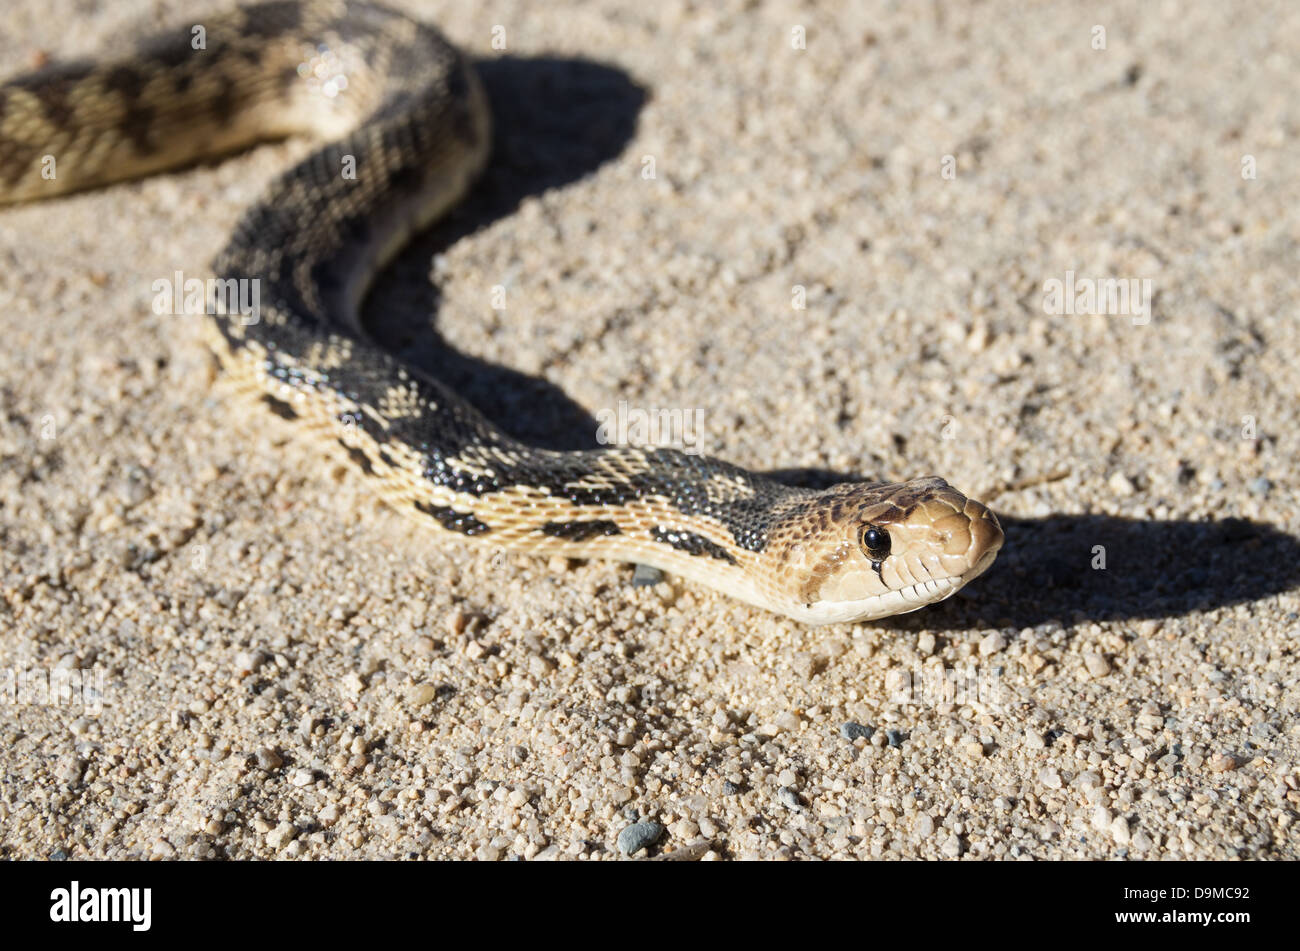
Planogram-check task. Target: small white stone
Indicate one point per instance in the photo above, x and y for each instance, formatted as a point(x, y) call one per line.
point(1121, 485)
point(787, 721)
point(422, 694)
point(249, 660)
point(1097, 664)
point(992, 643)
point(1119, 830)
point(684, 829)
point(281, 835)
point(301, 777)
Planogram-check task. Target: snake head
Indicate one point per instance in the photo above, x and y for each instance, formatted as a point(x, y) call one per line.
point(857, 552)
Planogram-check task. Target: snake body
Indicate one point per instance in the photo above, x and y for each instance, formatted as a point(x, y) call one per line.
point(395, 101)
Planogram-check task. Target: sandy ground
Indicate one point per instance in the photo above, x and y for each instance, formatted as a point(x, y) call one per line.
point(290, 669)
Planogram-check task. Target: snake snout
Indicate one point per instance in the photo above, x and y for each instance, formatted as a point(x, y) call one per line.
point(962, 535)
point(986, 537)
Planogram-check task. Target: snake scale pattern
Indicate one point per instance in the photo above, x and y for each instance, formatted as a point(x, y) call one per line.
point(395, 99)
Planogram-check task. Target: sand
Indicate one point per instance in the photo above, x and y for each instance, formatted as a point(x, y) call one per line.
point(290, 669)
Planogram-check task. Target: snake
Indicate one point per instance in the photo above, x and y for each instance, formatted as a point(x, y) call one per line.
point(403, 130)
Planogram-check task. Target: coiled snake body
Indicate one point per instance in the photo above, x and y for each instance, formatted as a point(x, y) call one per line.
point(400, 104)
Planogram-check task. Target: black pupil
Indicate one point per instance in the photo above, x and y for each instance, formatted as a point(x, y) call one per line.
point(874, 538)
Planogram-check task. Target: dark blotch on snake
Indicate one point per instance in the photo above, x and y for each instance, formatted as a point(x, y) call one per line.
point(280, 407)
point(274, 19)
point(359, 458)
point(691, 543)
point(463, 522)
point(581, 530)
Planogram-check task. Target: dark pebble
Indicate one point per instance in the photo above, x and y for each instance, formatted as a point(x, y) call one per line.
point(646, 577)
point(639, 835)
point(856, 731)
point(894, 737)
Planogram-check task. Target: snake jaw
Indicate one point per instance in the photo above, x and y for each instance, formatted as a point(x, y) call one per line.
point(939, 541)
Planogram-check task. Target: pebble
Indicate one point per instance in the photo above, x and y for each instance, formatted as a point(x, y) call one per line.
point(1221, 763)
point(787, 721)
point(302, 777)
point(685, 829)
point(855, 731)
point(1259, 486)
point(1119, 830)
point(638, 836)
point(789, 797)
point(1097, 664)
point(248, 661)
point(925, 643)
point(643, 576)
point(457, 622)
point(951, 847)
point(281, 835)
point(1121, 484)
point(268, 758)
point(992, 643)
point(894, 738)
point(422, 694)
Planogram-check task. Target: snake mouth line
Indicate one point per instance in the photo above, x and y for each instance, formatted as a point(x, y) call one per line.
point(931, 591)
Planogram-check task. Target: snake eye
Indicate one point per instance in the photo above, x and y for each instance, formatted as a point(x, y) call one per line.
point(876, 542)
